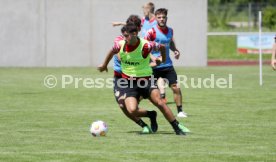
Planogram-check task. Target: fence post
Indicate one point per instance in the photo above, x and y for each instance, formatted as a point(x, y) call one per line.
point(249, 15)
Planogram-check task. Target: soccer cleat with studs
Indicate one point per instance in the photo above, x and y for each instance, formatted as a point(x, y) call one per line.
point(146, 130)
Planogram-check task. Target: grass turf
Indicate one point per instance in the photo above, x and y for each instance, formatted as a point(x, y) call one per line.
point(225, 48)
point(42, 124)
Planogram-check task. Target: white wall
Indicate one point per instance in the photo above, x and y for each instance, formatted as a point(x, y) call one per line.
point(21, 33)
point(68, 32)
point(79, 32)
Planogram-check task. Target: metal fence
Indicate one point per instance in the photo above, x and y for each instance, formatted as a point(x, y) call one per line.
point(240, 17)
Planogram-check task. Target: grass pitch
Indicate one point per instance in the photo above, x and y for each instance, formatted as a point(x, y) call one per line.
point(43, 124)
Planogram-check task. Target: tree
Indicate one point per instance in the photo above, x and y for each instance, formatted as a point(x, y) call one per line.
point(269, 17)
point(220, 11)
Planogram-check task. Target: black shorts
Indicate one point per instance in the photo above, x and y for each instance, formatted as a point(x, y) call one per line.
point(118, 92)
point(167, 73)
point(138, 88)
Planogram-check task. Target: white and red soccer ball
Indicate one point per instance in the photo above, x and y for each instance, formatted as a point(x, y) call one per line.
point(98, 128)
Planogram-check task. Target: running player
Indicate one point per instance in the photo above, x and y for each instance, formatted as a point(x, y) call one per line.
point(134, 54)
point(118, 93)
point(163, 34)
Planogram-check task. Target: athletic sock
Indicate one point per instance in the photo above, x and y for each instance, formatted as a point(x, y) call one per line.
point(150, 114)
point(153, 123)
point(163, 95)
point(175, 125)
point(141, 123)
point(179, 108)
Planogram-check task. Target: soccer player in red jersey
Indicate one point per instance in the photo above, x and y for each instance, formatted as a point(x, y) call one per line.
point(118, 91)
point(134, 53)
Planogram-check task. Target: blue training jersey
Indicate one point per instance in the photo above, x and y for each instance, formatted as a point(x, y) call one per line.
point(147, 24)
point(117, 64)
point(165, 39)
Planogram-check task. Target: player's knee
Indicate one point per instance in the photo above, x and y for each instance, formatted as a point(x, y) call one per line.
point(175, 88)
point(160, 103)
point(132, 112)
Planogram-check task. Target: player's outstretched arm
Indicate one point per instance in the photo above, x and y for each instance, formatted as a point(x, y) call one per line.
point(103, 67)
point(273, 57)
point(116, 23)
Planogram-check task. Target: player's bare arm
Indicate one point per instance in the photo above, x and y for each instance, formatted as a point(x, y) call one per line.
point(103, 67)
point(117, 23)
point(162, 50)
point(154, 61)
point(174, 49)
point(273, 57)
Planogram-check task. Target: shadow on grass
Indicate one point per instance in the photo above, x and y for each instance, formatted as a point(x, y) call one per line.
point(170, 103)
point(27, 93)
point(157, 133)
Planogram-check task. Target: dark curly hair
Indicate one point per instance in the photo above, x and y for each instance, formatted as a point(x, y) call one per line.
point(135, 19)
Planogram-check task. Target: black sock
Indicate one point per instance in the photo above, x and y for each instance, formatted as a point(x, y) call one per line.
point(179, 108)
point(141, 123)
point(175, 125)
point(150, 114)
point(163, 95)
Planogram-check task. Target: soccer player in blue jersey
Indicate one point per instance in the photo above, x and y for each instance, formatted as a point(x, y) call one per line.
point(148, 21)
point(163, 34)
